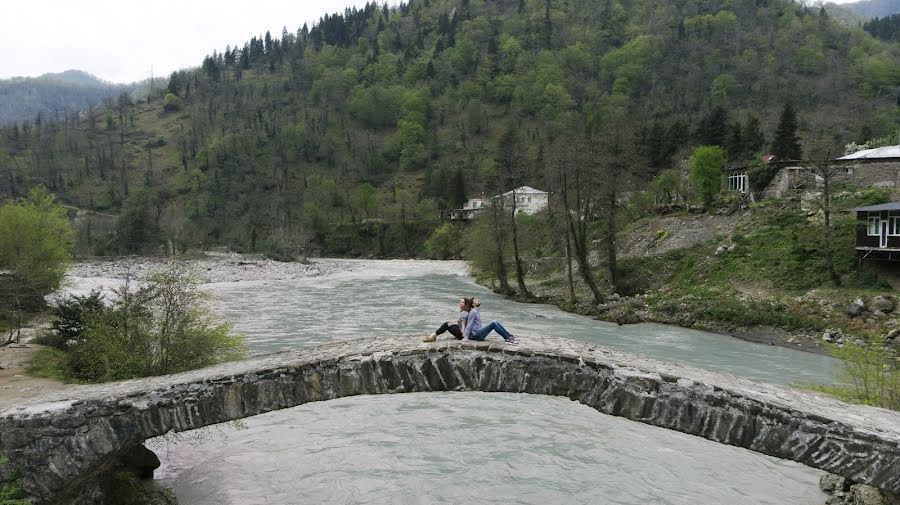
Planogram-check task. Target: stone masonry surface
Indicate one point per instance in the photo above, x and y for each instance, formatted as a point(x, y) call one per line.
point(60, 441)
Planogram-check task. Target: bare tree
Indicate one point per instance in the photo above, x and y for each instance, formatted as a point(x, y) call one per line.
point(556, 164)
point(822, 152)
point(576, 191)
point(511, 164)
point(614, 159)
point(497, 216)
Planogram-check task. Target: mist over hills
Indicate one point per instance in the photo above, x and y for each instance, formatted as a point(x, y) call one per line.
point(52, 95)
point(352, 136)
point(875, 8)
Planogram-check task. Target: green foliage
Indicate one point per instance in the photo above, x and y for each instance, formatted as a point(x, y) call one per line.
point(667, 187)
point(158, 328)
point(35, 248)
point(48, 363)
point(479, 247)
point(136, 229)
point(277, 134)
point(786, 145)
point(723, 87)
point(72, 314)
point(706, 165)
point(11, 488)
point(870, 374)
point(172, 103)
point(444, 243)
point(759, 176)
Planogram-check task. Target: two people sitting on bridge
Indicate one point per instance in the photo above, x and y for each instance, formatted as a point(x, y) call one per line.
point(468, 325)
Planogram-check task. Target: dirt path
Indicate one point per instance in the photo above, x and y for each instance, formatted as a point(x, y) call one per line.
point(15, 384)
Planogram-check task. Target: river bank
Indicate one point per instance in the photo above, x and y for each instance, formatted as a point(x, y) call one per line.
point(213, 268)
point(279, 306)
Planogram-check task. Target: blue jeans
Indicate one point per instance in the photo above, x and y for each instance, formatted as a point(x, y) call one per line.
point(492, 326)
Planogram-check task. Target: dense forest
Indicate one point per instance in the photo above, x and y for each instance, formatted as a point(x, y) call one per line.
point(355, 135)
point(886, 28)
point(50, 97)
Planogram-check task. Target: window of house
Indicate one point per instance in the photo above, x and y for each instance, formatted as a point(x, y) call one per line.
point(737, 182)
point(848, 170)
point(874, 226)
point(894, 226)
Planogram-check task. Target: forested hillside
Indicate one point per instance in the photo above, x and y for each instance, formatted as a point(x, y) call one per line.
point(51, 96)
point(351, 137)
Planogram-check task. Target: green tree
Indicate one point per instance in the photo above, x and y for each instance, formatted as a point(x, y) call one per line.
point(706, 172)
point(365, 196)
point(172, 103)
point(36, 243)
point(786, 145)
point(136, 229)
point(443, 243)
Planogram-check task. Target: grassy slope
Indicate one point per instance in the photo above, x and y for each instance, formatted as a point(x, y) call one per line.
point(772, 276)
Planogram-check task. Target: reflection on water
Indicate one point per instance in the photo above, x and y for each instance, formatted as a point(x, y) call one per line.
point(469, 448)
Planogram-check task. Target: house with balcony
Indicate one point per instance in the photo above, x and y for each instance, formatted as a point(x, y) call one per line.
point(878, 231)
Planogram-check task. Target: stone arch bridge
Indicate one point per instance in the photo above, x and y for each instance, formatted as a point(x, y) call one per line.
point(61, 441)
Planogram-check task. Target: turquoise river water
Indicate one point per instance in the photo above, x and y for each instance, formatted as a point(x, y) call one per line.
point(467, 447)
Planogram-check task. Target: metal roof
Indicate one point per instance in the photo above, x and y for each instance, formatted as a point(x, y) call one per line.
point(524, 190)
point(876, 208)
point(868, 154)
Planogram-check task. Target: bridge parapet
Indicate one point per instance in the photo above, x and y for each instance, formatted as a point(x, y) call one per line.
point(61, 440)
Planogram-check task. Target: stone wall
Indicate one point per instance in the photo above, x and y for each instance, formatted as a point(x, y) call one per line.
point(61, 441)
point(884, 174)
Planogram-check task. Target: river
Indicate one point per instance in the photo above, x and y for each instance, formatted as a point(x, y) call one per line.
point(465, 447)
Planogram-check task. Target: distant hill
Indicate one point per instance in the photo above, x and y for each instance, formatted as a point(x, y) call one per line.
point(845, 16)
point(354, 136)
point(52, 95)
point(77, 77)
point(875, 8)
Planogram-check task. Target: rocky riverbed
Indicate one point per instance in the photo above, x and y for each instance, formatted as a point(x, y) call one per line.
point(209, 268)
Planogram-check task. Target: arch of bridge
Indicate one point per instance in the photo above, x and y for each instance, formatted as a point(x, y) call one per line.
point(60, 440)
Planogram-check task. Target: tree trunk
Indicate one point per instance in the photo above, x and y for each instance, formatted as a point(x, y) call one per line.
point(826, 208)
point(584, 268)
point(500, 268)
point(569, 277)
point(611, 231)
point(520, 272)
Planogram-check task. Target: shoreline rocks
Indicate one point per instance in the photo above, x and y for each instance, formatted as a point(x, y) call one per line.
point(212, 268)
point(842, 491)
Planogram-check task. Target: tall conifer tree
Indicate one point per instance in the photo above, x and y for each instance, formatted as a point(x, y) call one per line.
point(786, 145)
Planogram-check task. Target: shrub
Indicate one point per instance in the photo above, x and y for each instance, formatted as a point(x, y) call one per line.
point(443, 243)
point(172, 103)
point(161, 327)
point(72, 314)
point(870, 375)
point(706, 171)
point(35, 247)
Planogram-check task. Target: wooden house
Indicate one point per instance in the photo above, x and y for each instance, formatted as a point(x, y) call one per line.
point(878, 231)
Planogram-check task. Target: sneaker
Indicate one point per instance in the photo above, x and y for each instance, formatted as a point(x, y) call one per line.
point(429, 338)
point(514, 340)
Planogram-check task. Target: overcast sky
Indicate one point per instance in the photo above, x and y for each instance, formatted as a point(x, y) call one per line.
point(119, 40)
